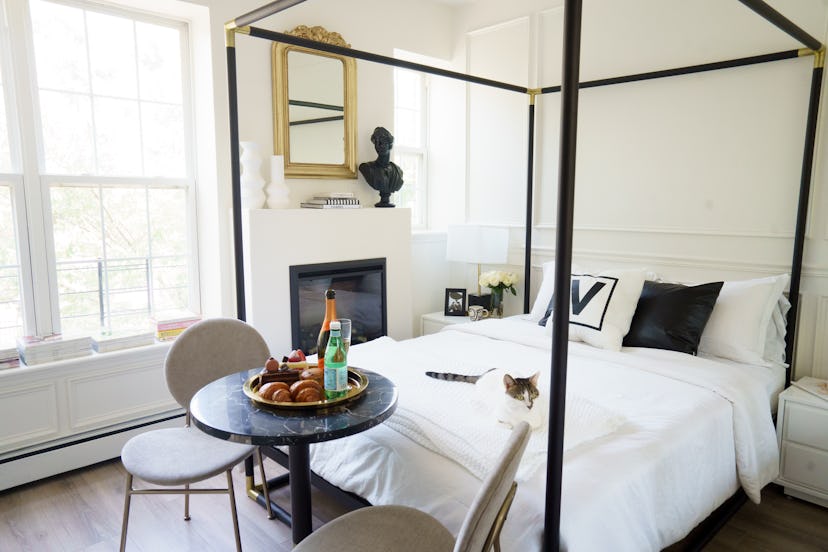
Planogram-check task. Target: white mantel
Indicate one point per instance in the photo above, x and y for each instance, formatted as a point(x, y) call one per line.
point(275, 239)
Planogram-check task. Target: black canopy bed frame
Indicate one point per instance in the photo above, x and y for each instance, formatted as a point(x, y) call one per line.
point(569, 89)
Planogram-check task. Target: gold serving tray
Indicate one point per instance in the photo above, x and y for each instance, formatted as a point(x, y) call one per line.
point(357, 383)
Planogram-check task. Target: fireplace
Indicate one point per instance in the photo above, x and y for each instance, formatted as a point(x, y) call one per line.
point(360, 295)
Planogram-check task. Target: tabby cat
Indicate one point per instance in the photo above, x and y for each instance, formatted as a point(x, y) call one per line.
point(514, 399)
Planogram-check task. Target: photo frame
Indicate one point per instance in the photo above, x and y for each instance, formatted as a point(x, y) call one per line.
point(455, 302)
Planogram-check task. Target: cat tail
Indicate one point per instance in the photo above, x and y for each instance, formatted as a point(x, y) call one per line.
point(448, 376)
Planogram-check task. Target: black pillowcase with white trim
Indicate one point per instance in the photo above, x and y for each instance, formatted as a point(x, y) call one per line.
point(672, 316)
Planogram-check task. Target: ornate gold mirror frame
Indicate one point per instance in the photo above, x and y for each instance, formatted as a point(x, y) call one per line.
point(281, 108)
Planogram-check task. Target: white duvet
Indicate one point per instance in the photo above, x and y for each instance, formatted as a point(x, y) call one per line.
point(692, 430)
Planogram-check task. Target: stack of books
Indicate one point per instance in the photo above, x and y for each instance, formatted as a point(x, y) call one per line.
point(168, 326)
point(36, 349)
point(9, 358)
point(333, 200)
point(122, 339)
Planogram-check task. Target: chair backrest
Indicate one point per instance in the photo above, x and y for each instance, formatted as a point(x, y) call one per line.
point(208, 350)
point(490, 497)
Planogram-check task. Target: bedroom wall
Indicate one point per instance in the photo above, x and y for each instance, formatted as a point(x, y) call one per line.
point(695, 176)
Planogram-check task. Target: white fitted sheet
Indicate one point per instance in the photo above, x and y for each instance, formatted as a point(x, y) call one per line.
point(643, 487)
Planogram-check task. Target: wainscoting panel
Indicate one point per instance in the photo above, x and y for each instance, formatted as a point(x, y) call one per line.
point(20, 423)
point(104, 399)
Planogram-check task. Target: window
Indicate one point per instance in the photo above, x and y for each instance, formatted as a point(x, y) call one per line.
point(410, 141)
point(111, 123)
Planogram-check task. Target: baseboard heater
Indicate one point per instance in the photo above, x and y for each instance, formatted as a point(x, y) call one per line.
point(55, 457)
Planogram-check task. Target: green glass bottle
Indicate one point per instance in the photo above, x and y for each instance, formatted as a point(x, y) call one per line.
point(336, 365)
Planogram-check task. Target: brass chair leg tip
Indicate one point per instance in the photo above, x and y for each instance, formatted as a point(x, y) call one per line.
point(187, 518)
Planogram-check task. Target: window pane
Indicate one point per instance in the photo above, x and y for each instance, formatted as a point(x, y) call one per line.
point(407, 127)
point(408, 87)
point(159, 72)
point(168, 222)
point(67, 133)
point(11, 314)
point(60, 47)
point(125, 223)
point(121, 254)
point(163, 140)
point(118, 137)
point(112, 55)
point(5, 148)
point(412, 195)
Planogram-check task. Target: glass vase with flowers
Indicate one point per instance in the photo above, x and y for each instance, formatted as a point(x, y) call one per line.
point(498, 281)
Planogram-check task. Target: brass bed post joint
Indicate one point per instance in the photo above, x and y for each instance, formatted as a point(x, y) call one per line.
point(532, 93)
point(819, 55)
point(230, 30)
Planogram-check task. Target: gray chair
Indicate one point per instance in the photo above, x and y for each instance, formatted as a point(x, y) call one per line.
point(404, 529)
point(206, 351)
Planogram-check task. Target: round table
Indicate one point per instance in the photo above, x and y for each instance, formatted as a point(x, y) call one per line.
point(221, 409)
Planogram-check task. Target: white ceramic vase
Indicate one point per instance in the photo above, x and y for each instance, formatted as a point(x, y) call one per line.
point(278, 194)
point(252, 183)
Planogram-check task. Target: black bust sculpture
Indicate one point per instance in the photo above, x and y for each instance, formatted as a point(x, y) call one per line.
point(382, 175)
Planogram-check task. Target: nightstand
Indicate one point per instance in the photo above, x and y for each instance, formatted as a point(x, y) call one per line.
point(802, 433)
point(433, 321)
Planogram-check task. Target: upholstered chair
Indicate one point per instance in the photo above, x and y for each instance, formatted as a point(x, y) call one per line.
point(177, 457)
point(405, 529)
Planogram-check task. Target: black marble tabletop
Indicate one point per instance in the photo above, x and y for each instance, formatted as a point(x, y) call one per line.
point(222, 410)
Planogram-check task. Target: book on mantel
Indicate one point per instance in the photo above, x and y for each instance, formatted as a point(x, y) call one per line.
point(333, 200)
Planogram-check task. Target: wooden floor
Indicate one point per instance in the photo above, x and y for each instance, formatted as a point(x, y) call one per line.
point(82, 511)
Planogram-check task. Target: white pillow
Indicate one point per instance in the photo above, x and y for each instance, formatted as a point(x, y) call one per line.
point(602, 307)
point(738, 326)
point(547, 289)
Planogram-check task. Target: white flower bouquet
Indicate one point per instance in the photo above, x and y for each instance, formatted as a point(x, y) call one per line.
point(499, 280)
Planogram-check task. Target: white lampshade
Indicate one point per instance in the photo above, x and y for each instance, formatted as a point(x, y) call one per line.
point(477, 244)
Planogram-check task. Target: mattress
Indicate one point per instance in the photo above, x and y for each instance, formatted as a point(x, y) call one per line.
point(693, 430)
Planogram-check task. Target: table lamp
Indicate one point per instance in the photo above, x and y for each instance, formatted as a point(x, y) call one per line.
point(478, 245)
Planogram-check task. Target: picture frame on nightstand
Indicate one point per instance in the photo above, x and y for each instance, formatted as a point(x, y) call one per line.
point(455, 302)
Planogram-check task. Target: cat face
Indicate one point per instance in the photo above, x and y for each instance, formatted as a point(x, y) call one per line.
point(524, 390)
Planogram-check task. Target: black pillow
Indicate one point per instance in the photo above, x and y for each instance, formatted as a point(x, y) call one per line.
point(672, 316)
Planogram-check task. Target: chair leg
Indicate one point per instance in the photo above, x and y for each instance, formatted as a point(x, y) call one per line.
point(127, 498)
point(186, 502)
point(233, 509)
point(270, 514)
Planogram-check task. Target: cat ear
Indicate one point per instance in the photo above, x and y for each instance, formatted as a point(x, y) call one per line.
point(534, 379)
point(508, 381)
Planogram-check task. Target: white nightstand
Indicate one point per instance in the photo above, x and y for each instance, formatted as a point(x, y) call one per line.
point(802, 433)
point(433, 321)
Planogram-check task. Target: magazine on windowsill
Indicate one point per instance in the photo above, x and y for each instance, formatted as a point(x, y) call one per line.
point(814, 386)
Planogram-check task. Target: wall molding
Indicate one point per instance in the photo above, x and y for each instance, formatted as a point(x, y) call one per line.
point(716, 233)
point(819, 366)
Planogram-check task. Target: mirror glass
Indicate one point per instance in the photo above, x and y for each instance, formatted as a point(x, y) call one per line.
point(314, 108)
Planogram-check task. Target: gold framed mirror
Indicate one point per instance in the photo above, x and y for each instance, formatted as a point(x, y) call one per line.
point(314, 108)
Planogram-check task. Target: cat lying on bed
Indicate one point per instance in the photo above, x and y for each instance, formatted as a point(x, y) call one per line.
point(515, 399)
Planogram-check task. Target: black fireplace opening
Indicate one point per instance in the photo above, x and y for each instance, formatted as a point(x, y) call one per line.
point(360, 296)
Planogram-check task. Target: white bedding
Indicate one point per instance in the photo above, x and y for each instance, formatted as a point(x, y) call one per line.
point(687, 423)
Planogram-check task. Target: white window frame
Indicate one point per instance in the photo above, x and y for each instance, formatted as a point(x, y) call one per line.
point(421, 195)
point(32, 189)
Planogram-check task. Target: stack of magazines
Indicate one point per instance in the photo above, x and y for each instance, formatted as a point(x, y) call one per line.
point(126, 339)
point(333, 200)
point(169, 325)
point(35, 349)
point(9, 358)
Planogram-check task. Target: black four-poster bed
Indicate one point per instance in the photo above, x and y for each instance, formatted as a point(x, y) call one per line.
point(569, 90)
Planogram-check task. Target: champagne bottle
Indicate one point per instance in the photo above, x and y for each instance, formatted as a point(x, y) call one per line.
point(336, 365)
point(325, 330)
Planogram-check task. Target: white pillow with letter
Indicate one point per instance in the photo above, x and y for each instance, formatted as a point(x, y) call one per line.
point(602, 307)
point(738, 326)
point(547, 289)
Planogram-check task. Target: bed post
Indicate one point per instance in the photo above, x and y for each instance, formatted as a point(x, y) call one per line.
point(230, 31)
point(530, 171)
point(802, 207)
point(563, 267)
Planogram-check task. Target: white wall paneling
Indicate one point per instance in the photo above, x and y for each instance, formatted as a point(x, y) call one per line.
point(39, 404)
